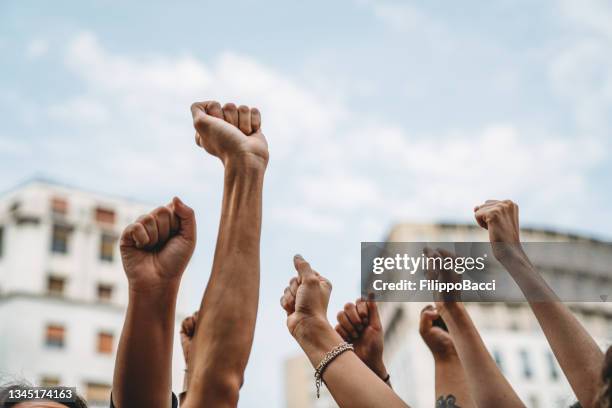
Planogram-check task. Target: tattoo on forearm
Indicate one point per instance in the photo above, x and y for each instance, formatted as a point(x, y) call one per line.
point(447, 402)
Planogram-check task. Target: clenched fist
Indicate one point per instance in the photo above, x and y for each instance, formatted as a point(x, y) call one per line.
point(359, 323)
point(187, 332)
point(305, 299)
point(156, 249)
point(501, 219)
point(436, 337)
point(230, 133)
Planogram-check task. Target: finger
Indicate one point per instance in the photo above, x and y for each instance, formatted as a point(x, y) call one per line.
point(293, 285)
point(344, 321)
point(373, 314)
point(480, 215)
point(428, 315)
point(340, 330)
point(186, 217)
point(362, 310)
point(230, 113)
point(162, 216)
point(149, 224)
point(213, 108)
point(244, 119)
point(134, 235)
point(303, 268)
point(175, 222)
point(255, 119)
point(202, 117)
point(289, 296)
point(289, 308)
point(351, 312)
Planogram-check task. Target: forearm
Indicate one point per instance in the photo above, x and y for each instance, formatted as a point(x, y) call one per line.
point(578, 354)
point(451, 381)
point(224, 333)
point(487, 385)
point(143, 367)
point(349, 380)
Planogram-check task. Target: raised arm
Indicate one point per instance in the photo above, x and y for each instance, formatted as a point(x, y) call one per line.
point(226, 322)
point(577, 353)
point(451, 389)
point(350, 381)
point(155, 251)
point(359, 323)
point(487, 385)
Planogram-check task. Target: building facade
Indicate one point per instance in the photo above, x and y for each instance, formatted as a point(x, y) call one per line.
point(509, 330)
point(63, 292)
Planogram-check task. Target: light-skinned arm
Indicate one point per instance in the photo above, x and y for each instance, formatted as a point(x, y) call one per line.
point(577, 353)
point(451, 386)
point(487, 385)
point(359, 323)
point(351, 383)
point(155, 251)
point(224, 332)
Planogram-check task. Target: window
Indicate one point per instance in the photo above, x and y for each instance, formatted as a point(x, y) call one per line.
point(526, 364)
point(59, 241)
point(105, 215)
point(107, 247)
point(54, 336)
point(59, 206)
point(98, 394)
point(552, 366)
point(55, 285)
point(49, 381)
point(105, 342)
point(1, 241)
point(105, 292)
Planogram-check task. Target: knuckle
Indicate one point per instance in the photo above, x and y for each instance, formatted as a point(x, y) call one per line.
point(229, 106)
point(243, 109)
point(214, 105)
point(340, 316)
point(348, 307)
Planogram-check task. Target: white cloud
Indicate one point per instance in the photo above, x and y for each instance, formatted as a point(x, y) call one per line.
point(36, 48)
point(332, 164)
point(79, 110)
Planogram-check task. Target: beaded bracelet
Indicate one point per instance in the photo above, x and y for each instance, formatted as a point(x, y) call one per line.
point(335, 352)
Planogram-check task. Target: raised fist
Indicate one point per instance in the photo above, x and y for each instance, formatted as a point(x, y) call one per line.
point(501, 219)
point(434, 335)
point(230, 132)
point(156, 249)
point(305, 299)
point(187, 332)
point(359, 323)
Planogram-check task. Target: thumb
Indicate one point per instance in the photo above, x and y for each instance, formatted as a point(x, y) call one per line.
point(201, 119)
point(303, 268)
point(187, 219)
point(373, 315)
point(428, 315)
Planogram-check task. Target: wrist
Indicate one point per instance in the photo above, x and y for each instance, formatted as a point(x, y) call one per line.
point(447, 357)
point(509, 253)
point(316, 337)
point(380, 370)
point(158, 289)
point(310, 328)
point(245, 162)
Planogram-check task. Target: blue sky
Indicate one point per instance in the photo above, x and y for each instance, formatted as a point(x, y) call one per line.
point(376, 112)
